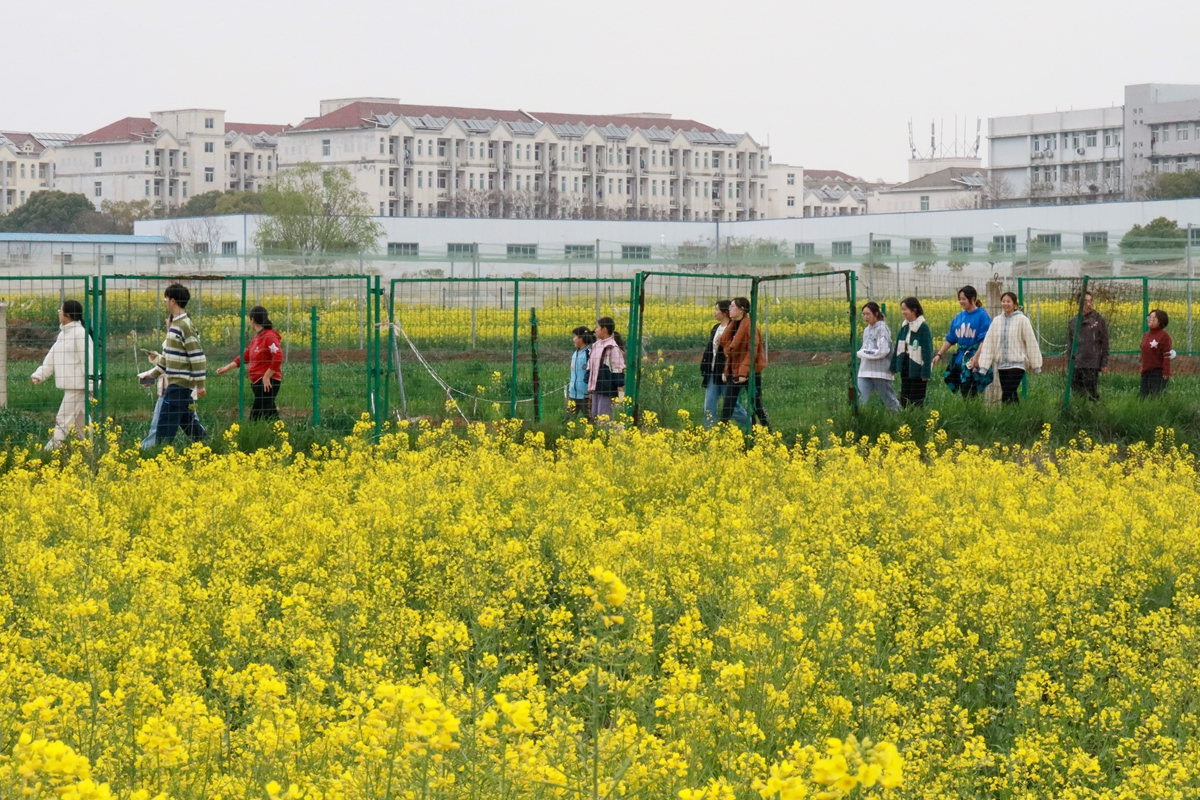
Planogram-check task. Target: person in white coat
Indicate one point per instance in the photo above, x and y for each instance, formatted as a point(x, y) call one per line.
point(1011, 346)
point(67, 363)
point(875, 358)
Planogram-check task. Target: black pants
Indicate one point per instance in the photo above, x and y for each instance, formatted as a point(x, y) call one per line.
point(1153, 382)
point(1087, 380)
point(733, 390)
point(1010, 382)
point(912, 391)
point(264, 401)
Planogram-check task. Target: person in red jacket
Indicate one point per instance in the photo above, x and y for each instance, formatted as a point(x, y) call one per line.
point(1156, 354)
point(264, 364)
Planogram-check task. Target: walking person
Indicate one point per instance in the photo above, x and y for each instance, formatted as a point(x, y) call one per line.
point(875, 359)
point(736, 343)
point(578, 402)
point(911, 359)
point(1091, 354)
point(606, 368)
point(712, 369)
point(967, 331)
point(264, 364)
point(183, 364)
point(1011, 347)
point(67, 362)
point(1156, 354)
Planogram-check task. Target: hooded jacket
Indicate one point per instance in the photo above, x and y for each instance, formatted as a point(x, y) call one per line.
point(875, 355)
point(1010, 341)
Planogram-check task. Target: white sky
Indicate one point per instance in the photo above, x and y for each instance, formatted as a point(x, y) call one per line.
point(832, 84)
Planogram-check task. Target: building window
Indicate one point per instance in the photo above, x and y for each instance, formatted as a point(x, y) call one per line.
point(1050, 241)
point(441, 148)
point(325, 147)
point(1181, 132)
point(420, 180)
point(441, 184)
point(208, 147)
point(1004, 244)
point(184, 154)
point(791, 201)
point(791, 179)
point(208, 122)
point(1097, 240)
point(97, 190)
point(805, 249)
point(147, 188)
point(405, 249)
point(99, 158)
point(587, 251)
point(185, 193)
point(157, 188)
point(843, 248)
point(209, 175)
point(229, 248)
point(654, 188)
point(1091, 139)
point(635, 252)
point(461, 249)
point(924, 202)
point(522, 251)
point(962, 244)
point(921, 247)
point(881, 247)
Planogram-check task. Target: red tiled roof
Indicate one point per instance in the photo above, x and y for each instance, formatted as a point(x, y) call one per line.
point(352, 115)
point(19, 139)
point(253, 128)
point(130, 129)
point(828, 175)
point(600, 120)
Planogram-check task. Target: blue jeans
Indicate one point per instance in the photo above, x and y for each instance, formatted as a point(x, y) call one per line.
point(148, 442)
point(177, 412)
point(712, 395)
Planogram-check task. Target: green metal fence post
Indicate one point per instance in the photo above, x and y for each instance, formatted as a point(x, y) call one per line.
point(1145, 303)
point(242, 367)
point(316, 383)
point(751, 383)
point(103, 324)
point(637, 305)
point(852, 292)
point(375, 405)
point(533, 353)
point(1021, 304)
point(512, 407)
point(1075, 344)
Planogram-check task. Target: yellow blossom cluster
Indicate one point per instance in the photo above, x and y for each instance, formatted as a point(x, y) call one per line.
point(629, 613)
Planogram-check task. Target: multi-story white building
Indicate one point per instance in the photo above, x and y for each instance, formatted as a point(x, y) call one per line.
point(416, 160)
point(1097, 154)
point(168, 157)
point(26, 165)
point(934, 184)
point(833, 193)
point(785, 191)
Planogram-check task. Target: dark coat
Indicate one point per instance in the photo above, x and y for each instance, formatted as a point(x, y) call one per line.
point(713, 361)
point(1092, 351)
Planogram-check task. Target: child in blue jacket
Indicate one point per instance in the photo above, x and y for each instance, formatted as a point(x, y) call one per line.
point(967, 331)
point(578, 401)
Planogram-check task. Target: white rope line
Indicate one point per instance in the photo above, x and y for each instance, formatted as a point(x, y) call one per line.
point(447, 388)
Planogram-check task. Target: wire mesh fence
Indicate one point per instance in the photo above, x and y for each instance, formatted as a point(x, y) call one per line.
point(466, 347)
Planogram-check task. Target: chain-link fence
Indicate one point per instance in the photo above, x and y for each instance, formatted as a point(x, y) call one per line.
point(466, 347)
point(808, 335)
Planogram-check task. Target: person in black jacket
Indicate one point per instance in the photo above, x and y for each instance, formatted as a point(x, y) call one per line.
point(712, 369)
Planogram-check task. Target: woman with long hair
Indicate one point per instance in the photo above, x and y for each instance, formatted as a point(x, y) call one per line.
point(736, 343)
point(911, 359)
point(1011, 347)
point(606, 368)
point(967, 331)
point(264, 364)
point(875, 359)
point(712, 368)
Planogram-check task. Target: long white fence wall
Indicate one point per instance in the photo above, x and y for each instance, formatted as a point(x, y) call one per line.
point(435, 235)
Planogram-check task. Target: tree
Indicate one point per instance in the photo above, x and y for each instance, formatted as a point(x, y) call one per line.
point(49, 212)
point(120, 216)
point(1175, 185)
point(314, 210)
point(995, 191)
point(199, 237)
point(200, 205)
point(1159, 234)
point(233, 202)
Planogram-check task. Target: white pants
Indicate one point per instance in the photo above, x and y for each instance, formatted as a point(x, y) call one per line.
point(72, 413)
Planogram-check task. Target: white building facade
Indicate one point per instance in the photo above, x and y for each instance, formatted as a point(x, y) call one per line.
point(421, 161)
point(1162, 129)
point(26, 165)
point(168, 158)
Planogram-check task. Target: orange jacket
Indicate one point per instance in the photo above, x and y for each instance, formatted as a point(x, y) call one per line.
point(736, 344)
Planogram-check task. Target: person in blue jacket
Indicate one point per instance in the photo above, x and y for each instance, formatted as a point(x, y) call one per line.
point(579, 403)
point(967, 330)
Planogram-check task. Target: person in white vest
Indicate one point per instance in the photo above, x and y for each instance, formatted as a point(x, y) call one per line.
point(67, 362)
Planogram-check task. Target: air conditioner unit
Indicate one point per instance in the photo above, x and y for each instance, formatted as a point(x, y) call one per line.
point(1079, 150)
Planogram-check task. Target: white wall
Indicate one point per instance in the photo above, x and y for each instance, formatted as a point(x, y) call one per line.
point(492, 235)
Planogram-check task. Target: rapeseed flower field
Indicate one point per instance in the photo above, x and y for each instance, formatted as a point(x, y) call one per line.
point(639, 613)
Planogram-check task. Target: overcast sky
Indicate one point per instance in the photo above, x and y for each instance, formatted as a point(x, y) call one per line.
point(833, 85)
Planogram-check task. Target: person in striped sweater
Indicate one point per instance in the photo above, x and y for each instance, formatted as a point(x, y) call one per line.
point(184, 366)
